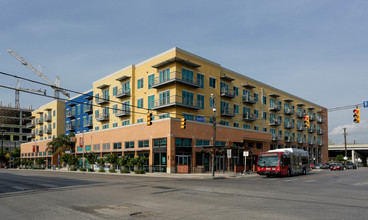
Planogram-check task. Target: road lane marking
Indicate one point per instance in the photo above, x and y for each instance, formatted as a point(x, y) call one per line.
point(20, 188)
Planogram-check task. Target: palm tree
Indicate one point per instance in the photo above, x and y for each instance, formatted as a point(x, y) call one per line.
point(60, 144)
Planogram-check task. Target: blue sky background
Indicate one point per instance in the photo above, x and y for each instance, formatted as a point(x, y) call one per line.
point(317, 50)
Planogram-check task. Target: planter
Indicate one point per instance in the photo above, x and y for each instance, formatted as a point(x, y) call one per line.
point(183, 168)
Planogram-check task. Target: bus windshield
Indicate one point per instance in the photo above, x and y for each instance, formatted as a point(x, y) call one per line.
point(268, 161)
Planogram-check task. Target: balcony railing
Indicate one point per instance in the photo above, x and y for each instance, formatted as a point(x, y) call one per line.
point(103, 100)
point(249, 99)
point(320, 143)
point(123, 93)
point(88, 123)
point(122, 113)
point(70, 114)
point(88, 108)
point(320, 120)
point(300, 128)
point(311, 142)
point(320, 131)
point(288, 125)
point(289, 111)
point(249, 117)
point(301, 140)
point(229, 112)
point(40, 132)
point(311, 130)
point(30, 125)
point(275, 137)
point(31, 136)
point(289, 139)
point(70, 127)
point(175, 100)
point(312, 118)
point(102, 117)
point(275, 107)
point(48, 131)
point(40, 121)
point(300, 114)
point(175, 77)
point(48, 118)
point(227, 93)
point(274, 122)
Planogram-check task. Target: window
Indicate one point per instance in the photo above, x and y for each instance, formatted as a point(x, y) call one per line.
point(264, 100)
point(160, 142)
point(226, 123)
point(139, 120)
point(220, 143)
point(79, 149)
point(117, 146)
point(106, 146)
point(140, 103)
point(140, 83)
point(236, 91)
point(245, 126)
point(97, 128)
point(200, 79)
point(188, 116)
point(256, 97)
point(236, 108)
point(129, 144)
point(88, 147)
point(200, 143)
point(151, 80)
point(200, 100)
point(211, 102)
point(151, 101)
point(236, 124)
point(256, 113)
point(105, 126)
point(166, 115)
point(114, 125)
point(164, 75)
point(54, 112)
point(212, 82)
point(114, 108)
point(126, 122)
point(114, 91)
point(264, 129)
point(96, 147)
point(143, 143)
point(53, 125)
point(187, 98)
point(187, 75)
point(264, 115)
point(183, 142)
point(256, 128)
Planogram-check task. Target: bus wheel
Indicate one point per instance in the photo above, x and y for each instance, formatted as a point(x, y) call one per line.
point(268, 175)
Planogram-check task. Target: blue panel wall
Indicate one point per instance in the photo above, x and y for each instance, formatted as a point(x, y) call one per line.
point(79, 113)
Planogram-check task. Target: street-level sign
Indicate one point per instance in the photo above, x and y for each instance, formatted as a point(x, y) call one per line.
point(245, 153)
point(229, 153)
point(365, 104)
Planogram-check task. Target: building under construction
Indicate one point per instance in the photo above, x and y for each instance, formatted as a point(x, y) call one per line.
point(14, 126)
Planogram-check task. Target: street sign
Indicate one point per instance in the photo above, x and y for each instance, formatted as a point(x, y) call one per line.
point(365, 104)
point(229, 153)
point(200, 118)
point(80, 142)
point(245, 153)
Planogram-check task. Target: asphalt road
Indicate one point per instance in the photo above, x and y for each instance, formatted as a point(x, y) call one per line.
point(322, 194)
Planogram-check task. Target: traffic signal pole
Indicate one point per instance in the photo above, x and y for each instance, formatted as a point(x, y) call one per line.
point(214, 134)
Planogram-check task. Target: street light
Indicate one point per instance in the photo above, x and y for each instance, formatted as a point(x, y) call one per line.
point(214, 133)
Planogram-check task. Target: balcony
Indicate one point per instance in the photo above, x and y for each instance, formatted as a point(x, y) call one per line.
point(249, 117)
point(289, 111)
point(289, 125)
point(70, 127)
point(320, 143)
point(88, 123)
point(40, 132)
point(229, 112)
point(48, 118)
point(311, 130)
point(40, 121)
point(175, 100)
point(122, 113)
point(300, 128)
point(87, 108)
point(70, 114)
point(123, 93)
point(31, 136)
point(103, 99)
point(274, 122)
point(175, 77)
point(311, 142)
point(289, 139)
point(249, 99)
point(312, 117)
point(300, 114)
point(301, 140)
point(227, 93)
point(276, 137)
point(275, 107)
point(102, 117)
point(48, 131)
point(320, 120)
point(320, 131)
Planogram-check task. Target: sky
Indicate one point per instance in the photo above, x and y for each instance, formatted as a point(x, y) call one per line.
point(317, 50)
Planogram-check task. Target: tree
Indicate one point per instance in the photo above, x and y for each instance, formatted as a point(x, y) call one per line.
point(112, 159)
point(101, 162)
point(339, 158)
point(91, 158)
point(16, 155)
point(140, 161)
point(60, 144)
point(40, 162)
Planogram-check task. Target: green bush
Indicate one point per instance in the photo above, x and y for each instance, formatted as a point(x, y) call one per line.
point(82, 169)
point(73, 169)
point(124, 171)
point(101, 170)
point(139, 172)
point(91, 170)
point(112, 170)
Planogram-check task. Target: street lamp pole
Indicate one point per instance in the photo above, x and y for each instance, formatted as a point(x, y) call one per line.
point(214, 134)
point(2, 146)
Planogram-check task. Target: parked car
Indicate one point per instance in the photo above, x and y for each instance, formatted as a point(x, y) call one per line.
point(317, 166)
point(325, 166)
point(351, 165)
point(336, 166)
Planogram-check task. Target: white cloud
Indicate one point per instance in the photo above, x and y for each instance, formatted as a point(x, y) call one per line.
point(357, 129)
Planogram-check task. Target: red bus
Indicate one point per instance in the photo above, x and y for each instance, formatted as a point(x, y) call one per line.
point(284, 162)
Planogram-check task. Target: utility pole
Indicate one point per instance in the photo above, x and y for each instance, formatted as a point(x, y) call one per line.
point(214, 134)
point(346, 150)
point(2, 147)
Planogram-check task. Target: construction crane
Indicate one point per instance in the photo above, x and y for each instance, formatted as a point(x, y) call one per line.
point(18, 89)
point(55, 85)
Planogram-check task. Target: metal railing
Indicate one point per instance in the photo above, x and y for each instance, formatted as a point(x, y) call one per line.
point(122, 93)
point(275, 107)
point(175, 76)
point(103, 99)
point(175, 100)
point(121, 113)
point(249, 117)
point(249, 99)
point(274, 122)
point(227, 112)
point(227, 93)
point(289, 125)
point(289, 111)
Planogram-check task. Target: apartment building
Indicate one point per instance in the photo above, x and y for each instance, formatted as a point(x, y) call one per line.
point(78, 113)
point(177, 84)
point(48, 121)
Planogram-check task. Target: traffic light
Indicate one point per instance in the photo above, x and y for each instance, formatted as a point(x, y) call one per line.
point(183, 123)
point(356, 115)
point(306, 121)
point(149, 119)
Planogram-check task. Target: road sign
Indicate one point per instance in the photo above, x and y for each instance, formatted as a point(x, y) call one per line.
point(245, 153)
point(228, 153)
point(365, 104)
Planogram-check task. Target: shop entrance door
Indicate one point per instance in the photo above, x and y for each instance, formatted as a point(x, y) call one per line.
point(219, 163)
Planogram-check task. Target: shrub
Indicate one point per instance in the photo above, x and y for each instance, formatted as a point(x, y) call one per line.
point(112, 170)
point(139, 172)
point(124, 171)
point(91, 170)
point(73, 169)
point(82, 169)
point(101, 170)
